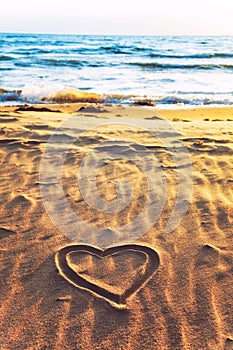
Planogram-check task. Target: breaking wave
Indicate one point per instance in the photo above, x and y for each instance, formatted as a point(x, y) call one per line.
point(64, 94)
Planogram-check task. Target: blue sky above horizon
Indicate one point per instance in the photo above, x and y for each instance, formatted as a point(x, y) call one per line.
point(166, 17)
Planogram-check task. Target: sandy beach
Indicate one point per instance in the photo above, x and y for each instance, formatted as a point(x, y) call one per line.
point(163, 291)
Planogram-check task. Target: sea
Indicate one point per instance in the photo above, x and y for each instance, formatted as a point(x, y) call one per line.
point(167, 71)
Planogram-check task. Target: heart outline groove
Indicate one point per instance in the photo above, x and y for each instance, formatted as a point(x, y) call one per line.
point(116, 299)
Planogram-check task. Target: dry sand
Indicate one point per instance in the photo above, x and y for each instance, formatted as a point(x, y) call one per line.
point(181, 298)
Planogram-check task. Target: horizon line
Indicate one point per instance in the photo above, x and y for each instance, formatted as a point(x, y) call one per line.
point(109, 34)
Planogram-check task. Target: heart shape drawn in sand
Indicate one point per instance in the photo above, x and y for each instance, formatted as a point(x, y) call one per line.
point(100, 289)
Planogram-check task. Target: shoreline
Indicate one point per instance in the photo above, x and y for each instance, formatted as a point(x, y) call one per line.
point(186, 114)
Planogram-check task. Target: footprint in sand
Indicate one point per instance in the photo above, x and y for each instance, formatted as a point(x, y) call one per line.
point(21, 200)
point(216, 259)
point(208, 256)
point(228, 344)
point(5, 233)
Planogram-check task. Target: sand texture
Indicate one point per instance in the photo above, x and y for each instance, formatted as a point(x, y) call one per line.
point(162, 291)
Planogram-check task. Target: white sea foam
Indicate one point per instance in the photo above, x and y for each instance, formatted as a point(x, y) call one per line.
point(57, 93)
point(37, 92)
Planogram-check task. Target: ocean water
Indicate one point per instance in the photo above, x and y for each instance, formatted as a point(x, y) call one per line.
point(165, 70)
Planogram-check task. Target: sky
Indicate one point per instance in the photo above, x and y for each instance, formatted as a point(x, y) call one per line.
point(121, 17)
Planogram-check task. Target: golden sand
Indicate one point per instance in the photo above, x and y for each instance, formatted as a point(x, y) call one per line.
point(184, 302)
